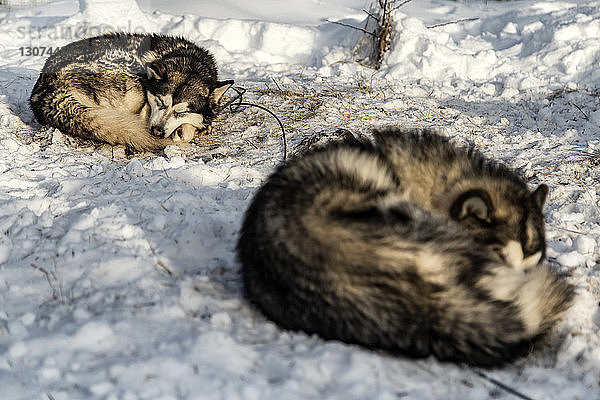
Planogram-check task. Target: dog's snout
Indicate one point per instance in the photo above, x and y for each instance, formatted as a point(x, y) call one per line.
point(156, 131)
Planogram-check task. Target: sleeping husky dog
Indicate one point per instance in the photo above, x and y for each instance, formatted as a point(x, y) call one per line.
point(407, 244)
point(144, 91)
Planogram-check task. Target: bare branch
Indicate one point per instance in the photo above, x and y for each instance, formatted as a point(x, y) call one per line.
point(353, 27)
point(453, 22)
point(276, 84)
point(376, 18)
point(585, 116)
point(401, 4)
point(48, 278)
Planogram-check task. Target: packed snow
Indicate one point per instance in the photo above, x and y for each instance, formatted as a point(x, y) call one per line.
point(118, 276)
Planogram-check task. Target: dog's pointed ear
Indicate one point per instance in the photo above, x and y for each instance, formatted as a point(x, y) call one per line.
point(473, 203)
point(152, 73)
point(220, 90)
point(539, 195)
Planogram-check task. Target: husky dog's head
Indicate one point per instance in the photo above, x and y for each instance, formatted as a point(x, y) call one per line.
point(510, 221)
point(181, 103)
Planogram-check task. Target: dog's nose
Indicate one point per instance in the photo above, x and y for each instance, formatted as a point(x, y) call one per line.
point(156, 131)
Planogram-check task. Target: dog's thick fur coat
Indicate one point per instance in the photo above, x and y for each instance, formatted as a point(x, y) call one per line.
point(407, 244)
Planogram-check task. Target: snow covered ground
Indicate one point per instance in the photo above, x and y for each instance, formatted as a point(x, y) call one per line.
point(118, 278)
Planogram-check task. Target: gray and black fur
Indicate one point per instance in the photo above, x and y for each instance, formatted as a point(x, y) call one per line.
point(142, 90)
point(406, 244)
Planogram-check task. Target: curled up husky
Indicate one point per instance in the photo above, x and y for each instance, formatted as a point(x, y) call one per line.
point(143, 91)
point(406, 244)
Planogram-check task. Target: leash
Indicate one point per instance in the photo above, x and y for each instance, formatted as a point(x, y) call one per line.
point(235, 104)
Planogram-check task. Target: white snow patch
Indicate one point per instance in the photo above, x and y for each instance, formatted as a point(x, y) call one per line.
point(93, 337)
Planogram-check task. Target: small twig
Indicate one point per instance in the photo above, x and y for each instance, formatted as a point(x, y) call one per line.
point(565, 229)
point(453, 22)
point(141, 305)
point(58, 282)
point(47, 275)
point(159, 263)
point(252, 144)
point(376, 18)
point(585, 116)
point(353, 27)
point(503, 386)
point(276, 84)
point(50, 397)
point(401, 4)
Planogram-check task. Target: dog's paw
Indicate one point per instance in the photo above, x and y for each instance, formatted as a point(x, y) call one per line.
point(513, 255)
point(185, 133)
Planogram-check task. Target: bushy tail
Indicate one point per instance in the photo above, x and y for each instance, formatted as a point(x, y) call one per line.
point(521, 306)
point(118, 127)
point(61, 106)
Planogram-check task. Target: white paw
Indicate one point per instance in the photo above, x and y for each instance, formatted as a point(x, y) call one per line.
point(184, 133)
point(513, 254)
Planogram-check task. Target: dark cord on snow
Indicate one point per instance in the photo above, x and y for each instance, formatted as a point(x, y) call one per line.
point(501, 385)
point(235, 103)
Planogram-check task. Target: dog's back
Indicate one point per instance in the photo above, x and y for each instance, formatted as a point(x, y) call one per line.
point(339, 243)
